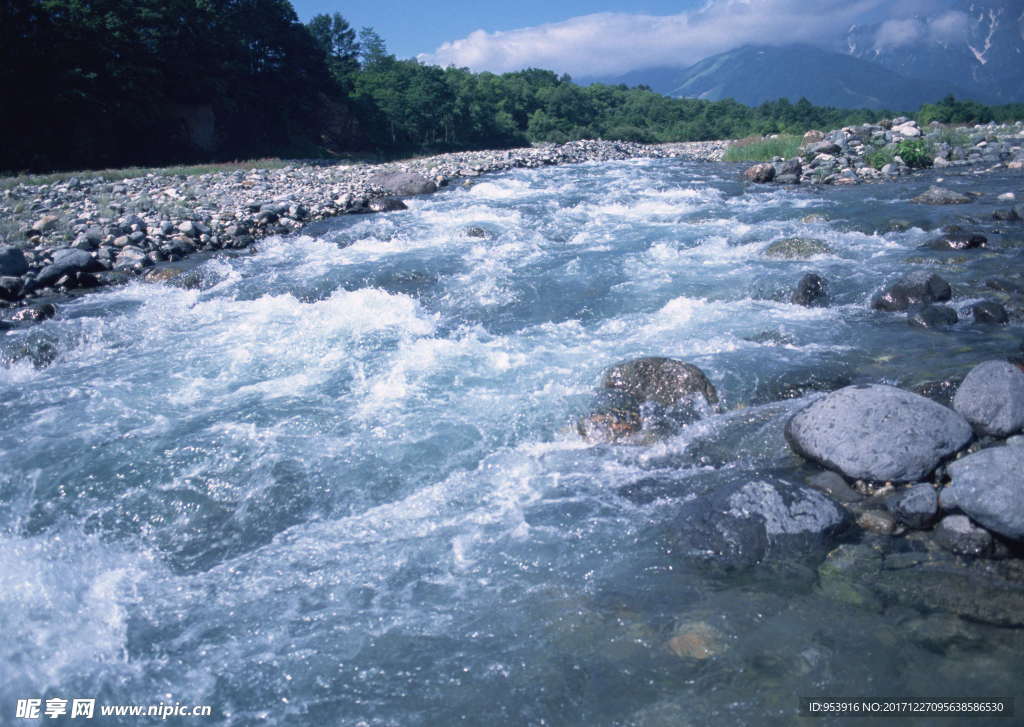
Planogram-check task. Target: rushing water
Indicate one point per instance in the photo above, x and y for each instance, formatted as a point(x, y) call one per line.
point(339, 483)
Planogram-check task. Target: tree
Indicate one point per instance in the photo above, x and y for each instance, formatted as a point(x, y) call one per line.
point(337, 39)
point(372, 48)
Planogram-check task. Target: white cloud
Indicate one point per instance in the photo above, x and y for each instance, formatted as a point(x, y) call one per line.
point(948, 27)
point(896, 33)
point(611, 43)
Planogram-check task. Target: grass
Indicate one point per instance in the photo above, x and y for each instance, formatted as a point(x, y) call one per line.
point(115, 175)
point(763, 149)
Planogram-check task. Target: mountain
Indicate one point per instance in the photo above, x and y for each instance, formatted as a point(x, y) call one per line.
point(976, 44)
point(662, 79)
point(755, 74)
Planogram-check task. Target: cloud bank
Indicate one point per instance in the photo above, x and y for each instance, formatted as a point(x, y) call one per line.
point(612, 43)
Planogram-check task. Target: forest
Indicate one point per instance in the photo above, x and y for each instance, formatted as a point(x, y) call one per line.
point(105, 83)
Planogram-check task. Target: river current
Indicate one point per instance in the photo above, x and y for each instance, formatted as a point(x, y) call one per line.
point(338, 481)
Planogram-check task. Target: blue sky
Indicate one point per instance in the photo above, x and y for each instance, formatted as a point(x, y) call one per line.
point(609, 37)
point(411, 28)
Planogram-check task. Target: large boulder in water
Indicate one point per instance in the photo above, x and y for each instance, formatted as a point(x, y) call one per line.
point(653, 394)
point(991, 397)
point(877, 433)
point(919, 287)
point(665, 381)
point(760, 173)
point(988, 486)
point(404, 184)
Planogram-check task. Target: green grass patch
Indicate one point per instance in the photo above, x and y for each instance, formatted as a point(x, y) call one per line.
point(880, 156)
point(764, 149)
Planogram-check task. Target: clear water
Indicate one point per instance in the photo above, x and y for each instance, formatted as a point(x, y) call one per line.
point(340, 484)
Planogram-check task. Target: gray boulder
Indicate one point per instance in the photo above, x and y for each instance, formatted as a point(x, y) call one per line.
point(940, 195)
point(12, 261)
point(67, 261)
point(404, 184)
point(878, 433)
point(988, 486)
point(992, 398)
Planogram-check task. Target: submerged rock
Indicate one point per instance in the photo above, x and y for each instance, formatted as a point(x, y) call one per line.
point(797, 248)
point(932, 316)
point(988, 486)
point(811, 291)
point(916, 506)
point(990, 312)
point(991, 397)
point(957, 241)
point(941, 195)
point(957, 534)
point(878, 433)
point(737, 525)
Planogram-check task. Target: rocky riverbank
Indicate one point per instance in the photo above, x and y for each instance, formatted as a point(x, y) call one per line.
point(79, 234)
point(894, 148)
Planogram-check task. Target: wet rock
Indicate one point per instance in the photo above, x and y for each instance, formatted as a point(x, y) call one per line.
point(130, 258)
point(938, 581)
point(12, 261)
point(915, 506)
point(957, 240)
point(479, 232)
point(36, 348)
point(760, 173)
point(11, 287)
point(877, 522)
point(919, 287)
point(991, 397)
point(738, 524)
point(957, 534)
point(386, 204)
point(941, 392)
point(932, 316)
point(846, 575)
point(833, 485)
point(1005, 215)
point(655, 395)
point(616, 416)
point(824, 147)
point(404, 184)
point(36, 313)
point(877, 433)
point(811, 291)
point(990, 312)
point(988, 486)
point(664, 381)
point(941, 195)
point(1005, 285)
point(797, 248)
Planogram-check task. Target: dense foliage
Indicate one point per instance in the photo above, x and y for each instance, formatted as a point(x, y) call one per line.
point(92, 83)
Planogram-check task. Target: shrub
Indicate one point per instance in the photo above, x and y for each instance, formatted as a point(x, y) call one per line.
point(782, 145)
point(914, 153)
point(880, 156)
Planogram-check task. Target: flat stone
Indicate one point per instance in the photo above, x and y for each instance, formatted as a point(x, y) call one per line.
point(916, 506)
point(941, 195)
